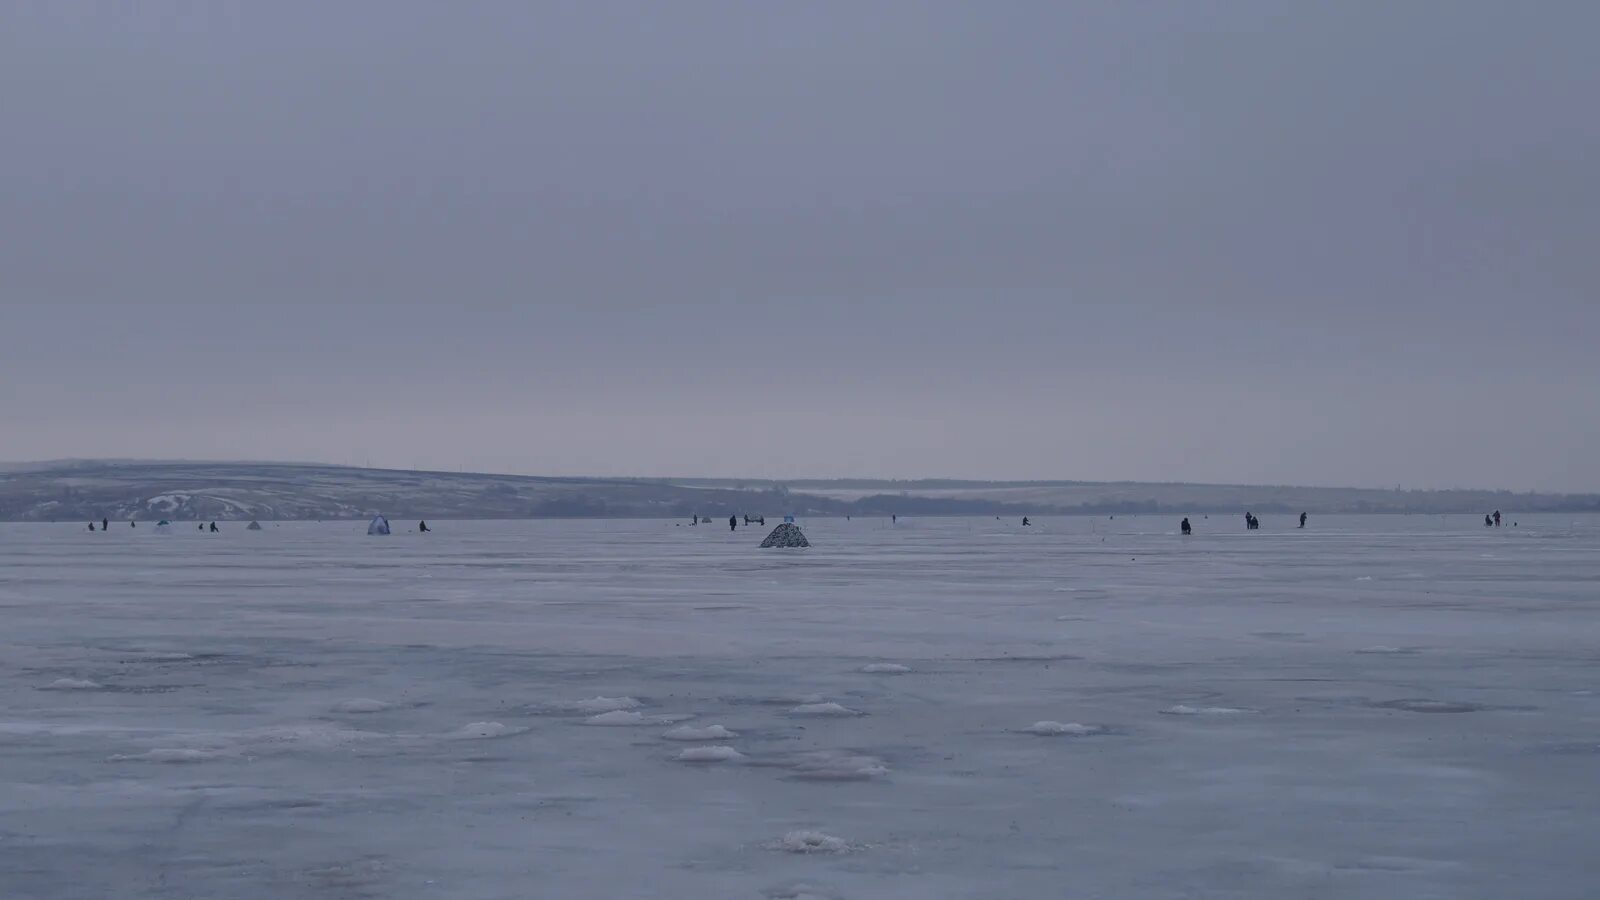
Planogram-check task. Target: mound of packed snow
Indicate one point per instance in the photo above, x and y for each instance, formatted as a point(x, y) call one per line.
point(691, 733)
point(810, 842)
point(885, 669)
point(360, 705)
point(73, 684)
point(595, 705)
point(169, 755)
point(624, 718)
point(786, 535)
point(482, 730)
point(837, 765)
point(1051, 729)
point(718, 753)
point(823, 710)
point(1182, 710)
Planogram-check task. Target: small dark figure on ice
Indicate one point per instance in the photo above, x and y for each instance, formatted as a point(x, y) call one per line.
point(105, 524)
point(1186, 527)
point(213, 528)
point(422, 526)
point(1497, 518)
point(1302, 520)
point(91, 526)
point(1025, 521)
point(733, 523)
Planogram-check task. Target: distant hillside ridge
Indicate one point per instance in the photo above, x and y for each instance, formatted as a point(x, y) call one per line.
point(81, 490)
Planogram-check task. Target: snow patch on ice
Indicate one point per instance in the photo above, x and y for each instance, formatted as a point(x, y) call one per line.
point(835, 765)
point(885, 669)
point(719, 753)
point(361, 705)
point(169, 755)
point(72, 684)
point(691, 733)
point(1182, 710)
point(595, 705)
point(622, 718)
point(482, 730)
point(1048, 728)
point(810, 842)
point(824, 710)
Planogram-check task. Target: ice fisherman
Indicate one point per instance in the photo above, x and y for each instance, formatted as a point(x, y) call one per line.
point(1497, 518)
point(1184, 526)
point(422, 526)
point(91, 526)
point(1488, 521)
point(213, 528)
point(1302, 520)
point(1025, 521)
point(105, 524)
point(733, 523)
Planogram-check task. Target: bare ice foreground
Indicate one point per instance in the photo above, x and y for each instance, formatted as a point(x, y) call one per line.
point(1374, 707)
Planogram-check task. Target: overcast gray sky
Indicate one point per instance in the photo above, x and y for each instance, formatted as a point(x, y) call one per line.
point(1336, 243)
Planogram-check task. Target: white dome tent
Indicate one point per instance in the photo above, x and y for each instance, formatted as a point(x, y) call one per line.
point(379, 525)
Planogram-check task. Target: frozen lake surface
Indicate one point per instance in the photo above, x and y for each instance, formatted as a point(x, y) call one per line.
point(1378, 707)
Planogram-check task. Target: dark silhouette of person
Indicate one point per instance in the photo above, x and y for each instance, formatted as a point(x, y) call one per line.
point(1025, 521)
point(894, 518)
point(1488, 521)
point(200, 527)
point(132, 524)
point(1185, 526)
point(91, 526)
point(105, 524)
point(733, 523)
point(213, 528)
point(422, 526)
point(762, 521)
point(1497, 518)
point(1302, 520)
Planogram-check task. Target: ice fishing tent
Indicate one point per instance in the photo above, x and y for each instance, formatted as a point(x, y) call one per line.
point(163, 527)
point(379, 525)
point(253, 526)
point(786, 535)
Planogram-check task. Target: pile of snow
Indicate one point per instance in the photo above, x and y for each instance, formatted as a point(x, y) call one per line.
point(602, 704)
point(622, 718)
point(885, 669)
point(786, 535)
point(823, 710)
point(837, 765)
point(72, 684)
point(691, 733)
point(482, 730)
point(810, 842)
point(361, 705)
point(715, 754)
point(168, 755)
point(1182, 710)
point(1050, 729)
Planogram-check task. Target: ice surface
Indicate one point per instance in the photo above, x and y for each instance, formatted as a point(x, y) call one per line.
point(306, 712)
point(885, 669)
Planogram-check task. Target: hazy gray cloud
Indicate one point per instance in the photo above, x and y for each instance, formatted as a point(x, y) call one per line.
point(1345, 243)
